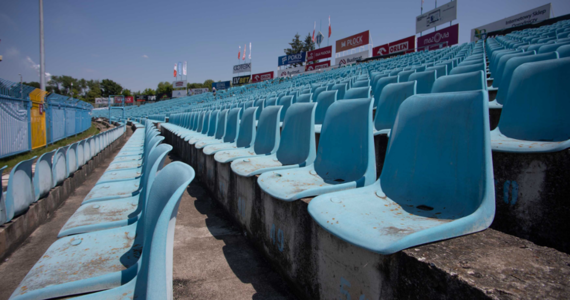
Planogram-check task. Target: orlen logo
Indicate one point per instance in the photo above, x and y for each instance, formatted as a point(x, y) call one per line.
point(256, 77)
point(352, 42)
point(381, 51)
point(399, 47)
point(310, 68)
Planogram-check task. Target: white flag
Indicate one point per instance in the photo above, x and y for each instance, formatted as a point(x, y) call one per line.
point(249, 50)
point(184, 68)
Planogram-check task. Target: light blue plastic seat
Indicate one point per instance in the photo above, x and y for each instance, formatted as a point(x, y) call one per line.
point(431, 188)
point(390, 100)
point(110, 258)
point(304, 98)
point(285, 103)
point(80, 154)
point(361, 83)
point(204, 129)
point(341, 88)
point(266, 139)
point(59, 165)
point(551, 47)
point(271, 102)
point(296, 147)
point(468, 69)
point(424, 81)
point(325, 100)
point(71, 159)
point(564, 51)
point(471, 81)
point(317, 92)
point(382, 82)
point(535, 114)
point(228, 124)
point(358, 93)
point(498, 74)
point(43, 175)
point(405, 74)
point(212, 128)
point(245, 135)
point(133, 164)
point(345, 157)
point(86, 151)
point(511, 66)
point(120, 211)
point(20, 193)
point(441, 70)
point(260, 104)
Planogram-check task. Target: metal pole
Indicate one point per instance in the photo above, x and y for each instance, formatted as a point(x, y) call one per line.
point(421, 13)
point(42, 59)
point(435, 27)
point(21, 90)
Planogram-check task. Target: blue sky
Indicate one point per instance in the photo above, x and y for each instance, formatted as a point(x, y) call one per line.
point(136, 43)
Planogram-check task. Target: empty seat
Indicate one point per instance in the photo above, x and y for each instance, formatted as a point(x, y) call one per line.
point(382, 82)
point(43, 176)
point(59, 166)
point(212, 128)
point(441, 70)
point(323, 103)
point(285, 102)
point(341, 88)
point(498, 74)
point(424, 81)
point(296, 147)
point(260, 104)
point(317, 92)
point(471, 81)
point(389, 102)
point(345, 157)
point(245, 135)
point(468, 69)
point(228, 134)
point(20, 193)
point(361, 83)
point(358, 93)
point(405, 74)
point(437, 182)
point(564, 51)
point(305, 98)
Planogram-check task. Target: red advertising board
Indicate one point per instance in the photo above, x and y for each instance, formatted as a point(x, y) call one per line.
point(322, 53)
point(353, 41)
point(442, 38)
point(321, 65)
point(129, 99)
point(406, 45)
point(261, 77)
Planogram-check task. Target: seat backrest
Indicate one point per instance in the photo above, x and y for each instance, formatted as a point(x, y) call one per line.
point(260, 104)
point(285, 102)
point(467, 69)
point(460, 83)
point(200, 121)
point(564, 51)
point(405, 74)
point(361, 83)
point(341, 88)
point(271, 101)
point(536, 107)
point(247, 128)
point(390, 100)
point(431, 163)
point(324, 100)
point(71, 159)
point(206, 122)
point(305, 98)
point(86, 151)
point(221, 126)
point(358, 92)
point(59, 166)
point(551, 47)
point(20, 193)
point(497, 76)
point(424, 81)
point(43, 177)
point(297, 146)
point(510, 67)
point(268, 132)
point(317, 92)
point(382, 82)
point(346, 146)
point(154, 280)
point(441, 70)
point(81, 152)
point(213, 126)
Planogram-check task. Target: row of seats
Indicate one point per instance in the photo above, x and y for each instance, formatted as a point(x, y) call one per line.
point(28, 184)
point(118, 244)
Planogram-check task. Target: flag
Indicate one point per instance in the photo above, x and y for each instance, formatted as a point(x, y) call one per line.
point(180, 68)
point(315, 27)
point(244, 50)
point(249, 50)
point(184, 68)
point(175, 70)
point(330, 29)
point(239, 52)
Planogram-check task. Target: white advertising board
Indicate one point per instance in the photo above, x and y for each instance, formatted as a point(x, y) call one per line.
point(437, 16)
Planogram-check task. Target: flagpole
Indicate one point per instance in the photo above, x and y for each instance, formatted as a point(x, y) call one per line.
point(320, 28)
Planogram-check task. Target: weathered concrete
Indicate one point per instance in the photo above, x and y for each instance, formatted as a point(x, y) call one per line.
point(15, 232)
point(31, 234)
point(485, 265)
point(532, 193)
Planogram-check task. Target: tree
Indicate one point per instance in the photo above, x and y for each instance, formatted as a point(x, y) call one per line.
point(296, 47)
point(164, 89)
point(208, 83)
point(33, 84)
point(109, 87)
point(127, 93)
point(308, 45)
point(93, 90)
point(148, 92)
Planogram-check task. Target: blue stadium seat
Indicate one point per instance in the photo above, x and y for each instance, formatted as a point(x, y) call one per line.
point(361, 83)
point(471, 81)
point(468, 69)
point(285, 103)
point(212, 128)
point(389, 102)
point(59, 166)
point(270, 102)
point(347, 129)
point(324, 101)
point(431, 188)
point(260, 104)
point(424, 81)
point(341, 88)
point(43, 176)
point(358, 93)
point(266, 139)
point(498, 73)
point(441, 70)
point(228, 134)
point(317, 92)
point(304, 98)
point(382, 82)
point(71, 159)
point(20, 193)
point(296, 147)
point(244, 138)
point(80, 153)
point(564, 51)
point(404, 75)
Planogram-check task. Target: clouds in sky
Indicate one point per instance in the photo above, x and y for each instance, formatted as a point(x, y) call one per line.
point(145, 56)
point(30, 63)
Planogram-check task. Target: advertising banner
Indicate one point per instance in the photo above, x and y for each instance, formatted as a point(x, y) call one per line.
point(239, 80)
point(242, 68)
point(354, 41)
point(292, 59)
point(434, 40)
point(179, 84)
point(141, 98)
point(151, 98)
point(292, 71)
point(221, 85)
point(351, 59)
point(261, 77)
point(129, 99)
point(118, 100)
point(179, 93)
point(102, 101)
point(317, 66)
point(437, 16)
point(532, 16)
point(322, 53)
point(199, 91)
point(407, 44)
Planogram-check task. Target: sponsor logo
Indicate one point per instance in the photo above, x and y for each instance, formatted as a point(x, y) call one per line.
point(242, 67)
point(284, 60)
point(381, 51)
point(399, 47)
point(241, 80)
point(352, 42)
point(179, 84)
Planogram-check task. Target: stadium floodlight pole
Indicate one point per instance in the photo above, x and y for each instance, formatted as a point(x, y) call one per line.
point(435, 27)
point(21, 87)
point(42, 60)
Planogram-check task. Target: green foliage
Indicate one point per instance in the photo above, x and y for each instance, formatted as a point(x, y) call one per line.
point(148, 92)
point(127, 93)
point(296, 46)
point(109, 87)
point(308, 45)
point(208, 83)
point(33, 84)
point(164, 89)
